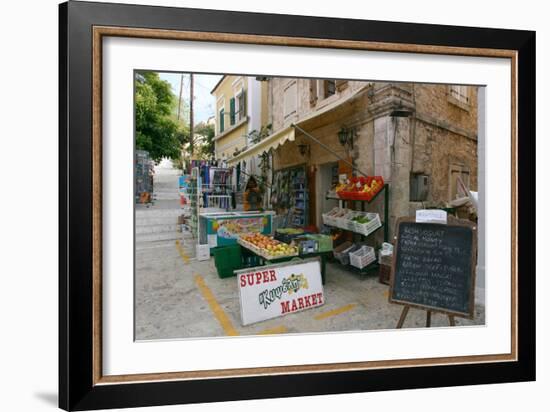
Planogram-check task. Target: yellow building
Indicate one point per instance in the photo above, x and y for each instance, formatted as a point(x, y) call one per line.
point(239, 105)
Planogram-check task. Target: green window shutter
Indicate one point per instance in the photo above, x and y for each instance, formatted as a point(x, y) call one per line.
point(222, 114)
point(242, 104)
point(232, 111)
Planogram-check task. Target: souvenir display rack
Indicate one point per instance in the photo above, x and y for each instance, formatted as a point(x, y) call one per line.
point(290, 193)
point(299, 194)
point(216, 188)
point(143, 175)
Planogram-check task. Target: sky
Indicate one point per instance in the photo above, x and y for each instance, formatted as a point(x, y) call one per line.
point(204, 83)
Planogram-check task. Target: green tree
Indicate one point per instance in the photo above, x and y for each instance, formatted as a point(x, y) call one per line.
point(156, 129)
point(207, 131)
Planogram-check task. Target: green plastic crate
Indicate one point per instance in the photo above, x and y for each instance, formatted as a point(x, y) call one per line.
point(227, 259)
point(227, 255)
point(226, 272)
point(324, 242)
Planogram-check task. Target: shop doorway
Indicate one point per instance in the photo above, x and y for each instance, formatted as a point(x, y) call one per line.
point(327, 178)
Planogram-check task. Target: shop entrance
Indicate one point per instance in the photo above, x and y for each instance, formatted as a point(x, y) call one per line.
point(327, 178)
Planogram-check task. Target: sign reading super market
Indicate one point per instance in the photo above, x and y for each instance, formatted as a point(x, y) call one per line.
point(271, 291)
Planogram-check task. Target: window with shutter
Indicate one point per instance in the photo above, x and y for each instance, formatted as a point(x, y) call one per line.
point(222, 114)
point(459, 95)
point(241, 111)
point(232, 111)
point(312, 91)
point(330, 88)
point(458, 170)
point(290, 100)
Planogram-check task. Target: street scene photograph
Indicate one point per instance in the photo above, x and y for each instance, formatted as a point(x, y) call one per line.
point(276, 205)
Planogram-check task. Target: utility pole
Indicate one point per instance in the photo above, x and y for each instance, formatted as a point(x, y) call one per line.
point(181, 91)
point(182, 154)
point(191, 123)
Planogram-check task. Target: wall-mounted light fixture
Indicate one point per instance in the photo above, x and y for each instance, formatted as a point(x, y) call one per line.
point(303, 148)
point(346, 136)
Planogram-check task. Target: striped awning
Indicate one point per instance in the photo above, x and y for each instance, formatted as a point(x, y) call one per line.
point(270, 142)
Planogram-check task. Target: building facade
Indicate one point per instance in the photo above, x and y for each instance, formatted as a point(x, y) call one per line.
point(418, 137)
point(240, 110)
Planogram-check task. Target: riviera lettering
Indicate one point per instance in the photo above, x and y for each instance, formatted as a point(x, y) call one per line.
point(268, 296)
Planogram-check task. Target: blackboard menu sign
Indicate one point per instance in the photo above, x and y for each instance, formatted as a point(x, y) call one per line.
point(434, 266)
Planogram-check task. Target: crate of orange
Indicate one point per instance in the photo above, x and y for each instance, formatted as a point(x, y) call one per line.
point(344, 191)
point(372, 185)
point(349, 190)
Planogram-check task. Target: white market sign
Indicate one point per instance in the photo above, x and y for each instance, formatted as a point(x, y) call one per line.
point(271, 291)
point(431, 216)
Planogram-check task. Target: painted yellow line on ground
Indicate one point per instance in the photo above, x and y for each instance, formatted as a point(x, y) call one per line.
point(219, 313)
point(181, 252)
point(274, 331)
point(334, 312)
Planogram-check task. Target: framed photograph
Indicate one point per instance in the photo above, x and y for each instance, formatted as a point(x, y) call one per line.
point(256, 206)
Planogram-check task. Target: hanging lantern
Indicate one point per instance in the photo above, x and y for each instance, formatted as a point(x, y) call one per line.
point(346, 135)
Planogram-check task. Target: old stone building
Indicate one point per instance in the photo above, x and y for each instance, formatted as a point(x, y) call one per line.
point(418, 137)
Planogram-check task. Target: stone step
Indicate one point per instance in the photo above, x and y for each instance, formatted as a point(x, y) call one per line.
point(156, 220)
point(188, 247)
point(173, 188)
point(171, 183)
point(156, 237)
point(166, 184)
point(166, 196)
point(155, 228)
point(166, 179)
point(167, 189)
point(166, 172)
point(157, 213)
point(159, 244)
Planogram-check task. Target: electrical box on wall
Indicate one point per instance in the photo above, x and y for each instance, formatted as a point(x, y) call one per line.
point(419, 186)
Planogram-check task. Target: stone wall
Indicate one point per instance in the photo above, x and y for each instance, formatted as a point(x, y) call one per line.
point(363, 154)
point(433, 100)
point(305, 105)
point(401, 129)
point(435, 149)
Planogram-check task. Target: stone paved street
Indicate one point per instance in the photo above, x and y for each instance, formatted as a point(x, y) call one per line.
point(170, 304)
point(180, 297)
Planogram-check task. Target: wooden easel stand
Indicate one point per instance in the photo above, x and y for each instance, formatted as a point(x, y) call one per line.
point(405, 312)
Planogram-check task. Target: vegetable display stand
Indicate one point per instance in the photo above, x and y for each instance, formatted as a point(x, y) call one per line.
point(286, 235)
point(250, 254)
point(363, 229)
